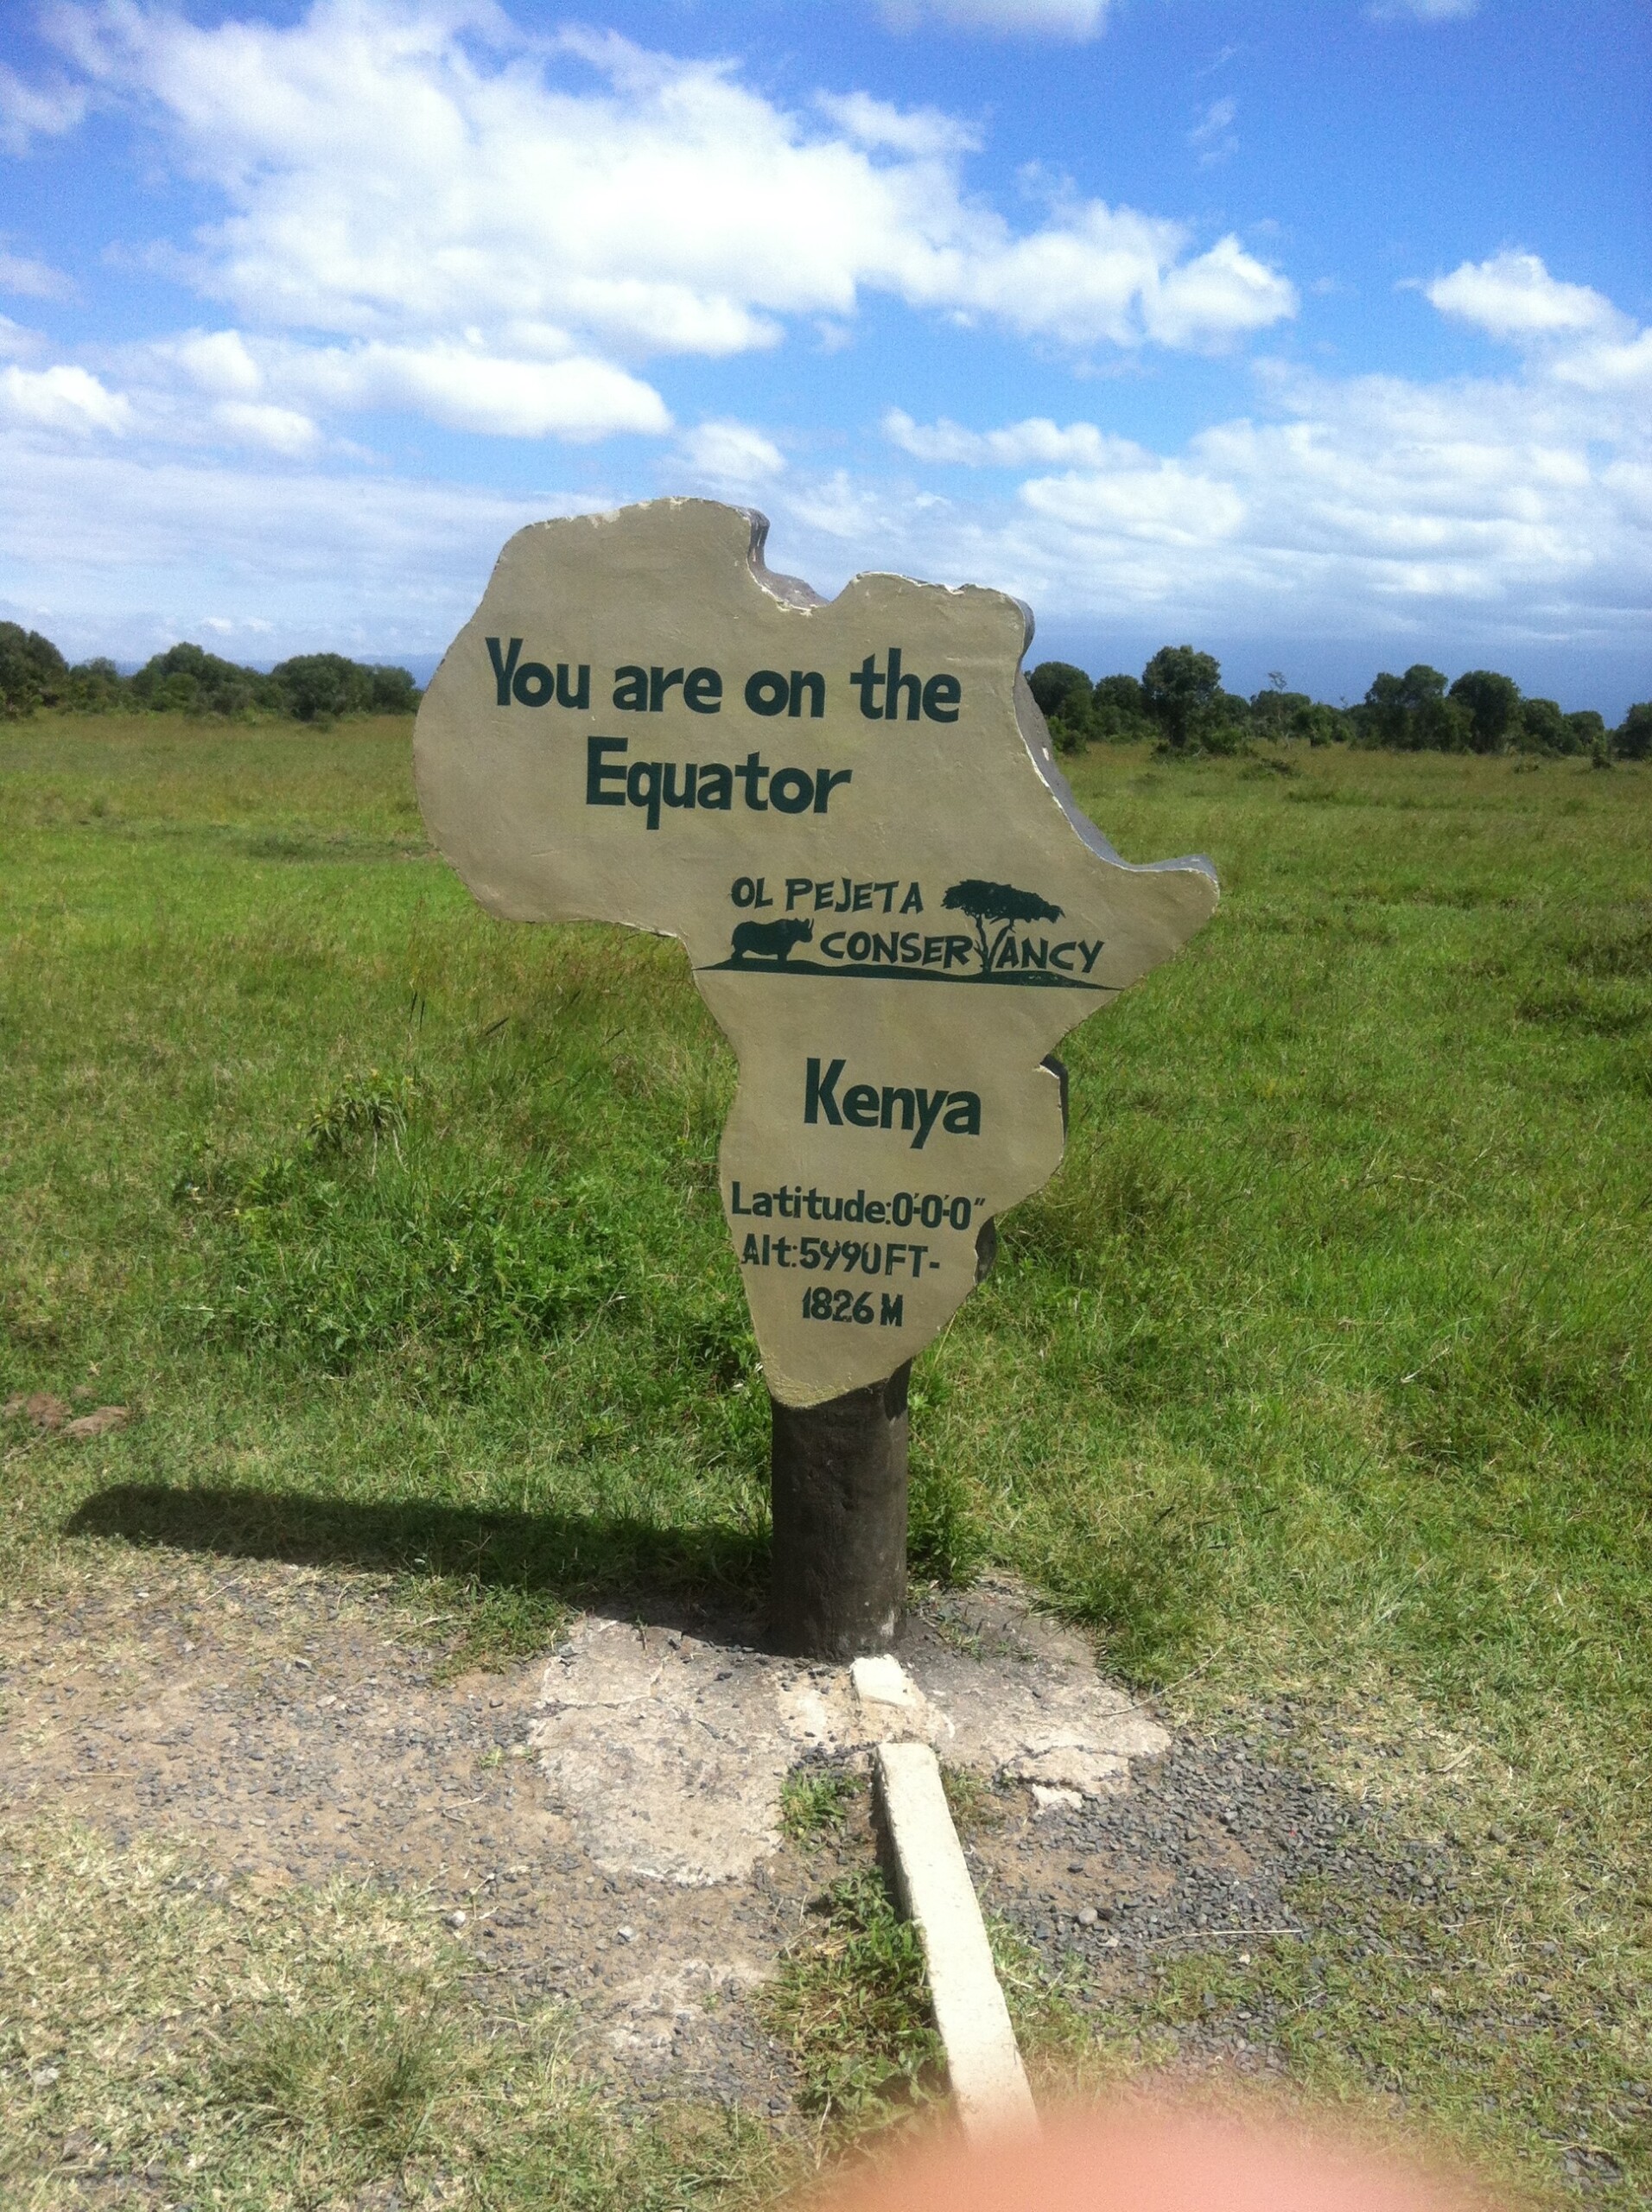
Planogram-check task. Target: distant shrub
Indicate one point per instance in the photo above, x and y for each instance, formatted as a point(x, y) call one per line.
point(187, 679)
point(32, 673)
point(1632, 739)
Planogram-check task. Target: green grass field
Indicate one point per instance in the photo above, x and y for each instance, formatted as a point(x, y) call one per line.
point(1323, 1366)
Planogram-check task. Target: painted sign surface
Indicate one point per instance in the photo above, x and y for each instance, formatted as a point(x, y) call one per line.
point(849, 814)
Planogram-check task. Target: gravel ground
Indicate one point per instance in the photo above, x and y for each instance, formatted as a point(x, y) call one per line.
point(274, 1719)
point(1203, 1854)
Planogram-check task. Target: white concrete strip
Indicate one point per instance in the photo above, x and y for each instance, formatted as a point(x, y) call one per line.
point(934, 1890)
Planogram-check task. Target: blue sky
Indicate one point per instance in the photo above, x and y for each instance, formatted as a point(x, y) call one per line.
point(1317, 336)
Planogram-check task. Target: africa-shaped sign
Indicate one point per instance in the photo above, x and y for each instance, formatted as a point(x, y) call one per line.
point(848, 812)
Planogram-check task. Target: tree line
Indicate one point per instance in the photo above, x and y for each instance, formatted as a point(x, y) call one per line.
point(1179, 700)
point(187, 680)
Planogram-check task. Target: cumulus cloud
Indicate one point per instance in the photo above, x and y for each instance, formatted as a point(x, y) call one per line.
point(280, 430)
point(65, 398)
point(1512, 296)
point(33, 280)
point(1075, 20)
point(730, 456)
point(399, 172)
point(1516, 505)
point(1038, 441)
point(467, 387)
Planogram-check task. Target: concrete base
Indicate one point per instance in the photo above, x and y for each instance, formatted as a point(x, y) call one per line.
point(932, 1885)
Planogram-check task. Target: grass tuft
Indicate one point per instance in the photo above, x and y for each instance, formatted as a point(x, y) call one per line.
point(851, 2005)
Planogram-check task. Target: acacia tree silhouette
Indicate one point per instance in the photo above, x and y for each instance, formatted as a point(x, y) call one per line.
point(997, 902)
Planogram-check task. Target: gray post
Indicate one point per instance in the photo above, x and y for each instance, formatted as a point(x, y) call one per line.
point(837, 1483)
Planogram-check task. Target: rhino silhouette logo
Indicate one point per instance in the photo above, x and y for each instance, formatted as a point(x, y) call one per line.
point(770, 940)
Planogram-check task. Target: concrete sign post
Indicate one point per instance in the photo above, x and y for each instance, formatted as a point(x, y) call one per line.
point(848, 812)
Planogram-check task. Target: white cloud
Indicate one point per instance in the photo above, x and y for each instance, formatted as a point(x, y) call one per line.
point(18, 343)
point(123, 554)
point(1113, 276)
point(1512, 296)
point(1461, 521)
point(218, 361)
point(1167, 503)
point(1513, 508)
point(1061, 19)
point(730, 456)
point(1421, 12)
point(34, 280)
point(399, 172)
point(1036, 441)
point(282, 429)
point(466, 387)
point(62, 399)
point(31, 111)
point(1213, 137)
point(923, 131)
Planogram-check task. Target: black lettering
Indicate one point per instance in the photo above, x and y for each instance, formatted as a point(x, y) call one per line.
point(791, 790)
point(892, 1310)
point(868, 682)
point(670, 794)
point(504, 669)
point(597, 775)
point(930, 1103)
point(891, 1096)
point(642, 788)
point(702, 692)
point(941, 697)
point(566, 697)
point(958, 950)
point(660, 681)
point(534, 684)
point(752, 772)
point(963, 1115)
point(885, 948)
point(897, 684)
point(795, 886)
point(1089, 954)
point(768, 692)
point(716, 790)
point(812, 681)
point(826, 781)
point(861, 1103)
point(913, 902)
point(820, 1093)
point(631, 689)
